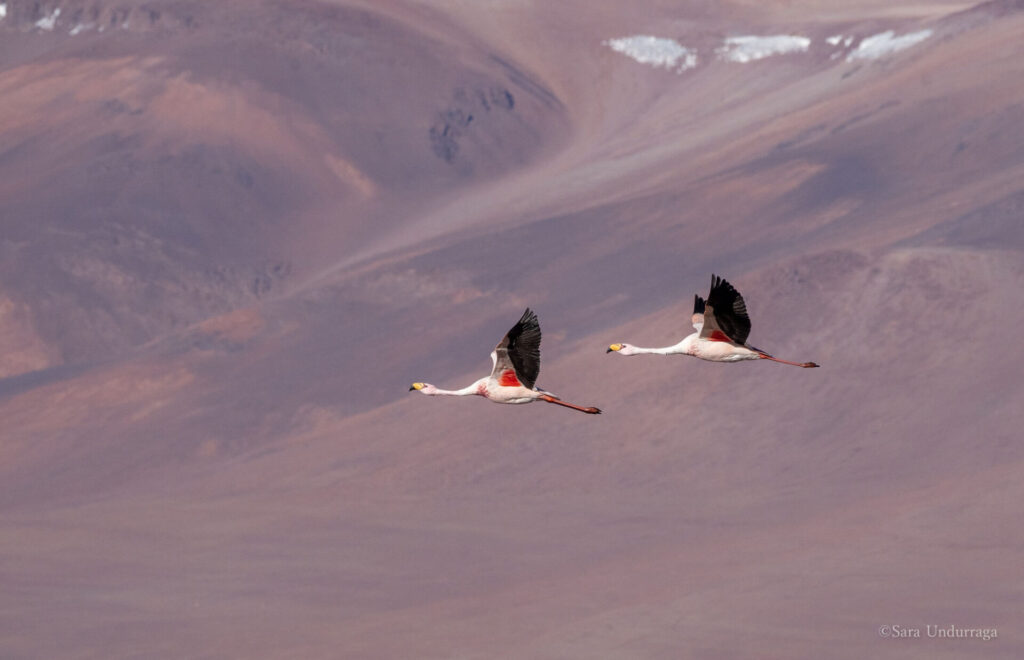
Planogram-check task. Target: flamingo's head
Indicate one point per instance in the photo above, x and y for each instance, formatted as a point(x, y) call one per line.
point(426, 388)
point(622, 349)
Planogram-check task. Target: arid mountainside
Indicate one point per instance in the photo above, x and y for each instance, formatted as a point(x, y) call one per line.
point(232, 234)
point(164, 164)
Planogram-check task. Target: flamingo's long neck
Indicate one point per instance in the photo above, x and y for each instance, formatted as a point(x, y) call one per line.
point(468, 390)
point(666, 350)
point(682, 347)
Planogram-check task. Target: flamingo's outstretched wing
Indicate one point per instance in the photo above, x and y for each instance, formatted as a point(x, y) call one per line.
point(725, 312)
point(698, 313)
point(517, 356)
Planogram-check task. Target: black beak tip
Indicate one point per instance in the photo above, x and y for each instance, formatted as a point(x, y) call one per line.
point(608, 351)
point(411, 388)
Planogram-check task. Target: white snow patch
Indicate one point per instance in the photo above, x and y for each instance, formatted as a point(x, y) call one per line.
point(837, 40)
point(886, 43)
point(47, 22)
point(3, 11)
point(656, 51)
point(750, 48)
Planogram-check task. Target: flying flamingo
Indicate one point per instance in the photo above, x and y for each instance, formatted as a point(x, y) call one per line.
point(722, 327)
point(516, 361)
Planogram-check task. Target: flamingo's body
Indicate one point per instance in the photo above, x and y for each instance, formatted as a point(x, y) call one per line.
point(516, 365)
point(722, 327)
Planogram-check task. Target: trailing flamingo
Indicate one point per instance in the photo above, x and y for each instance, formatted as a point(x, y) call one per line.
point(516, 364)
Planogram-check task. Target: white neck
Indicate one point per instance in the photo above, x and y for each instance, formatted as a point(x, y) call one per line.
point(636, 350)
point(681, 347)
point(465, 391)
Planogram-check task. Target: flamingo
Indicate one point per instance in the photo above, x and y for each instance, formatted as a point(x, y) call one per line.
point(516, 363)
point(722, 327)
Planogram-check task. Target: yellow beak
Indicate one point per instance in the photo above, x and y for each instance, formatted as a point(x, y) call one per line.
point(416, 386)
point(614, 347)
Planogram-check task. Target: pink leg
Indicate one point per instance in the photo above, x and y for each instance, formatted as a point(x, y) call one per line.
point(805, 365)
point(551, 399)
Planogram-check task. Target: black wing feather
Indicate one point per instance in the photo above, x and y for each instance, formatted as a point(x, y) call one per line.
point(698, 304)
point(522, 345)
point(730, 310)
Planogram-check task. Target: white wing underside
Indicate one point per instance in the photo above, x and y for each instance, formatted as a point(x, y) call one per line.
point(498, 367)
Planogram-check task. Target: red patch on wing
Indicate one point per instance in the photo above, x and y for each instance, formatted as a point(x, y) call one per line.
point(508, 379)
point(718, 335)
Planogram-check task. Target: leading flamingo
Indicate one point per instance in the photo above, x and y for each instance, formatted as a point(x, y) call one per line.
point(722, 326)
